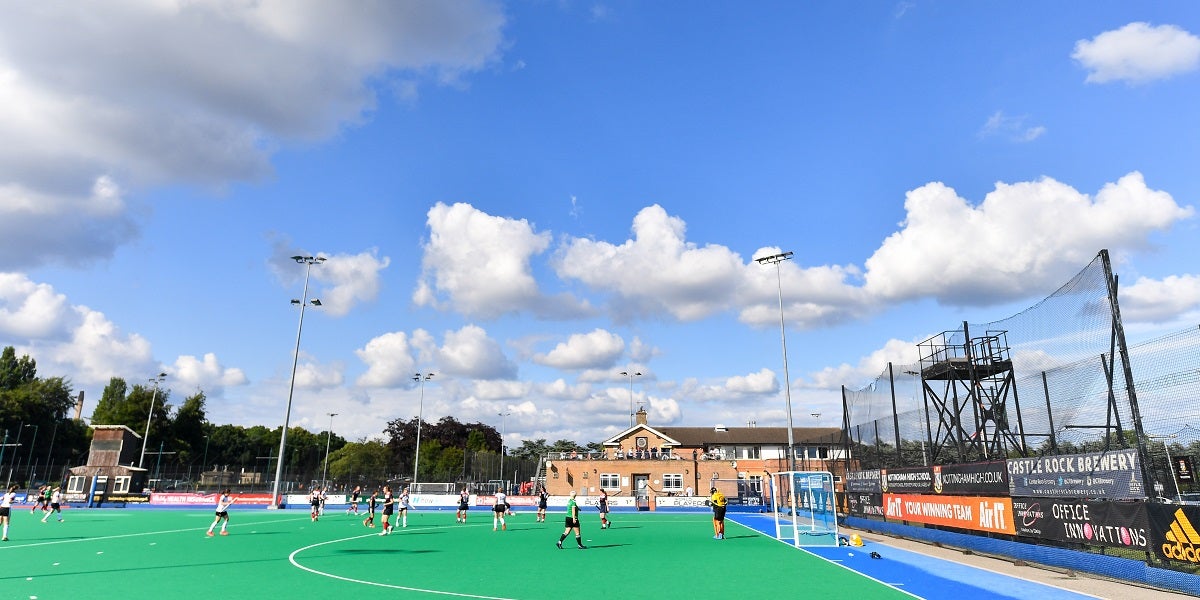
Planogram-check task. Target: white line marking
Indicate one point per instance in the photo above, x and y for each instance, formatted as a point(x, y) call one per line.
point(128, 535)
point(292, 559)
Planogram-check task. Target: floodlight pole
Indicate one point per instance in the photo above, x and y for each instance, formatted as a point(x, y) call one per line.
point(309, 261)
point(775, 259)
point(29, 476)
point(1170, 463)
point(153, 398)
point(325, 469)
point(630, 375)
point(502, 433)
point(420, 378)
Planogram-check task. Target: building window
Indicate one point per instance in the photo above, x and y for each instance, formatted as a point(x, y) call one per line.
point(121, 485)
point(610, 481)
point(673, 482)
point(755, 484)
point(747, 452)
point(75, 484)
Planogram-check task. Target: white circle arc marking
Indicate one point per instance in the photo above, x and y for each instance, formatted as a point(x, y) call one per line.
point(292, 559)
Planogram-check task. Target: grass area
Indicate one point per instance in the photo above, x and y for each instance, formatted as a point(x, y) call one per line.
point(165, 554)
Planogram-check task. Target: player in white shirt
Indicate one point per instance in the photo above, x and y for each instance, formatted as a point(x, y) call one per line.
point(402, 507)
point(224, 501)
point(499, 509)
point(6, 503)
point(55, 505)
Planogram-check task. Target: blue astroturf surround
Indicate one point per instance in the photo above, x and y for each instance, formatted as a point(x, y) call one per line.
point(920, 575)
point(1124, 569)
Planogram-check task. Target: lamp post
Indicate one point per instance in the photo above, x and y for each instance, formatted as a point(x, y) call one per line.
point(12, 460)
point(50, 450)
point(502, 433)
point(153, 398)
point(1170, 463)
point(3, 447)
point(328, 435)
point(204, 461)
point(29, 475)
point(775, 259)
point(308, 261)
point(630, 375)
point(420, 378)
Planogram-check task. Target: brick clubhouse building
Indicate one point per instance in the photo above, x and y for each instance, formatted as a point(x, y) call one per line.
point(651, 467)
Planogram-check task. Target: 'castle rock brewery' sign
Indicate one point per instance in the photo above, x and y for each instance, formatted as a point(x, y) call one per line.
point(1115, 475)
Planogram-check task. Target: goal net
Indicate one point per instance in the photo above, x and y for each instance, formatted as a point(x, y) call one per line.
point(804, 507)
point(742, 494)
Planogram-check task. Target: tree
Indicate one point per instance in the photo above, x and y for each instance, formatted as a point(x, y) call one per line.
point(359, 462)
point(530, 449)
point(121, 406)
point(188, 428)
point(476, 441)
point(15, 372)
point(564, 446)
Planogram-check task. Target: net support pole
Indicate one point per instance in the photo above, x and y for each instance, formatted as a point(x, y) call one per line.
point(1119, 330)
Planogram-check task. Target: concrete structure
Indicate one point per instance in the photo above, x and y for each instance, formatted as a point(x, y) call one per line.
point(645, 463)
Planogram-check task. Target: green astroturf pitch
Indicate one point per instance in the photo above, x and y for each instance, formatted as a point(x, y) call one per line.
point(124, 553)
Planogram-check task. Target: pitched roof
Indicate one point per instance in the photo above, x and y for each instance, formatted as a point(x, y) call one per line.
point(715, 436)
point(616, 439)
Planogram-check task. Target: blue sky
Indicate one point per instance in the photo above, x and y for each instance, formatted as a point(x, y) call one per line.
point(529, 198)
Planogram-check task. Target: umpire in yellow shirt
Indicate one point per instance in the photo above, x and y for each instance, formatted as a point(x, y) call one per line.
point(717, 501)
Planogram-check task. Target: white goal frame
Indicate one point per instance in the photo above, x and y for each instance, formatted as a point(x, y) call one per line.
point(812, 521)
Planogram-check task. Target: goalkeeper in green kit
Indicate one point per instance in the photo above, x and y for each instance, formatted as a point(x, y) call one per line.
point(572, 523)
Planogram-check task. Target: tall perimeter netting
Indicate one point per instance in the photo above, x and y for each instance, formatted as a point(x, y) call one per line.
point(1051, 379)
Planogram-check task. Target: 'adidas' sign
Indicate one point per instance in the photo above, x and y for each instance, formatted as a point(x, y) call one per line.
point(1182, 540)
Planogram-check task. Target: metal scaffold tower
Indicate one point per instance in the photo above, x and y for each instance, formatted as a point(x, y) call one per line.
point(967, 384)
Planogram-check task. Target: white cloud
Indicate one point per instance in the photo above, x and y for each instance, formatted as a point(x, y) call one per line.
point(312, 375)
point(389, 361)
point(207, 374)
point(341, 281)
point(1023, 239)
point(470, 353)
point(762, 382)
point(1011, 128)
point(31, 310)
point(898, 352)
point(99, 350)
point(66, 338)
point(354, 279)
point(657, 272)
point(1160, 300)
point(73, 224)
point(598, 348)
point(186, 92)
point(1138, 53)
point(812, 296)
point(479, 264)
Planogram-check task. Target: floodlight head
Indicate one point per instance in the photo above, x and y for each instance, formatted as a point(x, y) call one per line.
point(315, 302)
point(774, 258)
point(295, 301)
